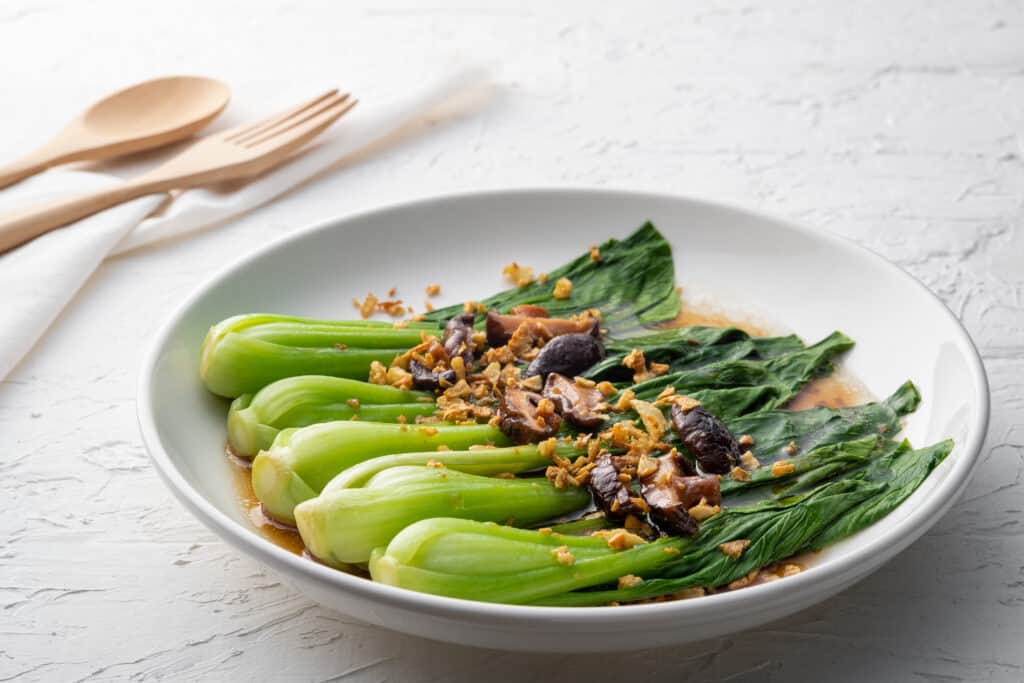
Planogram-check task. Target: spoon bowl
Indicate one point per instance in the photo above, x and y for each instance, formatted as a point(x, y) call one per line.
point(162, 106)
point(143, 116)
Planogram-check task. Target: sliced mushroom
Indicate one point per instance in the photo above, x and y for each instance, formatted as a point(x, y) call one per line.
point(529, 311)
point(582, 406)
point(707, 438)
point(500, 327)
point(671, 518)
point(458, 338)
point(694, 489)
point(523, 418)
point(670, 492)
point(569, 354)
point(610, 494)
point(425, 378)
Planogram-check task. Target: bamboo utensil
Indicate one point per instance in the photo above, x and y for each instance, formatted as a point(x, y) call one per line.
point(241, 152)
point(143, 116)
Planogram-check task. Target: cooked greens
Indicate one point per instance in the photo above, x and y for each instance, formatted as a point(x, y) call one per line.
point(345, 525)
point(254, 421)
point(779, 529)
point(245, 353)
point(435, 490)
point(632, 283)
point(302, 461)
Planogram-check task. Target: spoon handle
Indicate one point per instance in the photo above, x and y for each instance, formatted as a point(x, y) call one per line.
point(21, 226)
point(23, 168)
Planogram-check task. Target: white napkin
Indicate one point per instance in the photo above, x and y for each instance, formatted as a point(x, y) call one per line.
point(39, 278)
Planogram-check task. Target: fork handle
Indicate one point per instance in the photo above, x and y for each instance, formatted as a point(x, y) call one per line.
point(26, 224)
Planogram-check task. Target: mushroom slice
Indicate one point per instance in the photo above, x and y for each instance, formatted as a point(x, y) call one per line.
point(425, 378)
point(569, 354)
point(706, 437)
point(458, 338)
point(670, 492)
point(610, 494)
point(582, 406)
point(500, 327)
point(529, 311)
point(526, 416)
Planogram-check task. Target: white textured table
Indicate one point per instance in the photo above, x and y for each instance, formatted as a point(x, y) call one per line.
point(899, 124)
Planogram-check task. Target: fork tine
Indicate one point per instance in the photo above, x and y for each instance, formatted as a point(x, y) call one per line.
point(266, 133)
point(298, 135)
point(249, 128)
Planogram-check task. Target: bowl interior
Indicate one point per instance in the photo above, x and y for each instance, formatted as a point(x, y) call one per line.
point(795, 279)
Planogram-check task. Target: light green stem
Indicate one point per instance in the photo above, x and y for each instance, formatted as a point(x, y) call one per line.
point(302, 461)
point(254, 421)
point(343, 526)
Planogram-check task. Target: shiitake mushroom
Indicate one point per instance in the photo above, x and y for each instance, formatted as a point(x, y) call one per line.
point(581, 406)
point(520, 419)
point(501, 327)
point(458, 338)
point(425, 378)
point(672, 489)
point(568, 354)
point(611, 495)
point(707, 438)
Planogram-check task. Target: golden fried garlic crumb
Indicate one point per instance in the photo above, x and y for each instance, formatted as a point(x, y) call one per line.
point(703, 510)
point(629, 581)
point(367, 307)
point(734, 548)
point(517, 274)
point(378, 373)
point(563, 555)
point(782, 468)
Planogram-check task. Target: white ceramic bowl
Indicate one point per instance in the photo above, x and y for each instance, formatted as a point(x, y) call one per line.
point(808, 280)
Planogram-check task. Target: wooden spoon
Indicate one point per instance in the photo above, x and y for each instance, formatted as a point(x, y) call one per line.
point(143, 116)
point(244, 151)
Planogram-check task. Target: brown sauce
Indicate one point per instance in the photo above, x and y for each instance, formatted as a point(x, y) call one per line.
point(835, 391)
point(278, 534)
point(691, 316)
point(838, 390)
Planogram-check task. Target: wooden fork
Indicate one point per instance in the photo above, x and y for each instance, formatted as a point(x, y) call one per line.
point(241, 152)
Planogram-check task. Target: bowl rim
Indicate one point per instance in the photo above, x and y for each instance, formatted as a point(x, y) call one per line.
point(860, 561)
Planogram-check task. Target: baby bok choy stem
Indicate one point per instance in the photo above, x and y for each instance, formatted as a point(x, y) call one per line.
point(466, 559)
point(478, 561)
point(302, 461)
point(484, 561)
point(255, 420)
point(245, 353)
point(343, 526)
point(482, 461)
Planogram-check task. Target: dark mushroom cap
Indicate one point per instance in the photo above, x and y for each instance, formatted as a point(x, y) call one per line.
point(670, 493)
point(500, 327)
point(581, 406)
point(425, 378)
point(673, 520)
point(458, 338)
point(518, 418)
point(569, 355)
point(610, 494)
point(707, 438)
